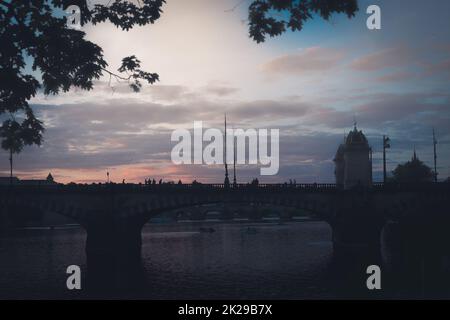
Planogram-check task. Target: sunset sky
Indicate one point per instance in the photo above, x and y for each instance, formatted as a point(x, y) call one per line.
point(310, 85)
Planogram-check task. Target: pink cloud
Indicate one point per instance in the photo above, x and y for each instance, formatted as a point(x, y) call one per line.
point(391, 57)
point(133, 173)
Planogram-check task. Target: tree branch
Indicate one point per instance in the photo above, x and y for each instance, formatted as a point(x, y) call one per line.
point(116, 75)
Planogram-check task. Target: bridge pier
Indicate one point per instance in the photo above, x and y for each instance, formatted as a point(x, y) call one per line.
point(113, 253)
point(356, 236)
point(3, 219)
point(357, 231)
point(419, 252)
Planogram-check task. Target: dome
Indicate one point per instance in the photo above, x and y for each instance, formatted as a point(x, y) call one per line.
point(356, 137)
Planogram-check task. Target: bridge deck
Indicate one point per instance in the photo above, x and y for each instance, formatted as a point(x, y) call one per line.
point(275, 187)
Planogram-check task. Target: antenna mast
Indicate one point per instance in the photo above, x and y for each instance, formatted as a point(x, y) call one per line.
point(227, 180)
point(435, 156)
point(234, 163)
point(386, 145)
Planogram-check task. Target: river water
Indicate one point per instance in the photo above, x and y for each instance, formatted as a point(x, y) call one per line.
point(193, 260)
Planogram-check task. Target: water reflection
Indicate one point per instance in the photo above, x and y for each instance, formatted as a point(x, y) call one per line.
point(201, 260)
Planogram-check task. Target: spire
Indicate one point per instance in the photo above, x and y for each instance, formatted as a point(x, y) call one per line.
point(414, 155)
point(227, 180)
point(354, 123)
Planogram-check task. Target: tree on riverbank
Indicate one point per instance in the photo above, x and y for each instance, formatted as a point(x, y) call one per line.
point(413, 171)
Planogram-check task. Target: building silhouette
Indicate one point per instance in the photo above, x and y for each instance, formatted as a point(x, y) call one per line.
point(49, 181)
point(7, 181)
point(353, 161)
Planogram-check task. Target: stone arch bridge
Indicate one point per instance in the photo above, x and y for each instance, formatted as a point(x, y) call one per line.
point(113, 214)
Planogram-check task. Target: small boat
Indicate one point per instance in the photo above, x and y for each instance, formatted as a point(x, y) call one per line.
point(207, 230)
point(250, 230)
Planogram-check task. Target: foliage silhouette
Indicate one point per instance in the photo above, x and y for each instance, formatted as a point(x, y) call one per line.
point(274, 17)
point(32, 33)
point(15, 136)
point(413, 171)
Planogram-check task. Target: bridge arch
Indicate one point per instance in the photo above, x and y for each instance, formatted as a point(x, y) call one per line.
point(114, 215)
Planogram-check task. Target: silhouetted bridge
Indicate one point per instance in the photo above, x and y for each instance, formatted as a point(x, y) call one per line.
point(114, 214)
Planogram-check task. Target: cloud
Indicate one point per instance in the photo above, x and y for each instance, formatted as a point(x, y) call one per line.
point(154, 93)
point(401, 108)
point(132, 138)
point(397, 76)
point(438, 68)
point(407, 63)
point(384, 110)
point(261, 110)
point(386, 58)
point(307, 61)
point(220, 91)
point(119, 116)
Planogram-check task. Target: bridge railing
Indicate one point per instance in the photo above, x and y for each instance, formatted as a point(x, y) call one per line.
point(276, 187)
point(166, 187)
point(411, 187)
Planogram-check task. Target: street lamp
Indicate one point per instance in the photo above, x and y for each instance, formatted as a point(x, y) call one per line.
point(386, 145)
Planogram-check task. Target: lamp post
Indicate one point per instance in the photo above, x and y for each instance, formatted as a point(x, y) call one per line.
point(386, 145)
